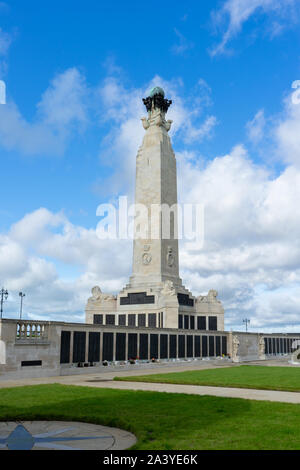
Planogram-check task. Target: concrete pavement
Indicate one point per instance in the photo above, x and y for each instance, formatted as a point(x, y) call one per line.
point(105, 380)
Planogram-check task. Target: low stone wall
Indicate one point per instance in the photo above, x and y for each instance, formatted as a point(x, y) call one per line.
point(246, 347)
point(38, 349)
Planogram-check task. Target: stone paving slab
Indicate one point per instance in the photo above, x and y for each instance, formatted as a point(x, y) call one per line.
point(62, 435)
point(246, 393)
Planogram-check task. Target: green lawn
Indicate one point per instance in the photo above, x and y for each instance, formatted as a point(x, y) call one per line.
point(162, 420)
point(259, 377)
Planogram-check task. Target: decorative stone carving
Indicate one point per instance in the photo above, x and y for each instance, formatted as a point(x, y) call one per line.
point(296, 357)
point(168, 288)
point(157, 101)
point(170, 257)
point(145, 123)
point(99, 296)
point(96, 294)
point(210, 297)
point(261, 346)
point(157, 119)
point(235, 346)
point(157, 106)
point(146, 258)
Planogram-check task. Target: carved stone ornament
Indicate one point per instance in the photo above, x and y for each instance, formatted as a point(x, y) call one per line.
point(96, 294)
point(156, 120)
point(157, 106)
point(235, 346)
point(262, 346)
point(296, 356)
point(168, 288)
point(210, 297)
point(147, 258)
point(170, 257)
point(99, 296)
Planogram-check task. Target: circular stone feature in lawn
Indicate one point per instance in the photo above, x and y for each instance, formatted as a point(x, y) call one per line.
point(62, 435)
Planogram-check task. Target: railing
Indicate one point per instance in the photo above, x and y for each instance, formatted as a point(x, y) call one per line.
point(31, 330)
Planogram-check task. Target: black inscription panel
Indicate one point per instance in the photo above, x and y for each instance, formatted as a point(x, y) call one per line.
point(108, 343)
point(152, 320)
point(143, 346)
point(94, 347)
point(110, 319)
point(197, 346)
point(79, 346)
point(65, 341)
point(224, 345)
point(173, 346)
point(212, 323)
point(281, 345)
point(181, 346)
point(141, 319)
point(266, 345)
point(183, 299)
point(131, 319)
point(132, 346)
point(163, 346)
point(270, 346)
point(98, 319)
point(211, 344)
point(201, 323)
point(204, 346)
point(189, 346)
point(31, 363)
point(218, 346)
point(135, 298)
point(153, 346)
point(120, 346)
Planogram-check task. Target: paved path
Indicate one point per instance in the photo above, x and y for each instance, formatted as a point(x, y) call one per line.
point(105, 380)
point(247, 393)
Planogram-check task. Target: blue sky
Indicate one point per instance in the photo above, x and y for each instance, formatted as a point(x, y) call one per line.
point(75, 74)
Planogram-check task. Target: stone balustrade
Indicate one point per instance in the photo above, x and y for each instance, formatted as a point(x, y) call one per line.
point(31, 330)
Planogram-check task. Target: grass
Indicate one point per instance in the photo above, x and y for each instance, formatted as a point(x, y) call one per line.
point(257, 377)
point(162, 421)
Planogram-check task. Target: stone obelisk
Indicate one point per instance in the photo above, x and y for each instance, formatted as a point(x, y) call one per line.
point(155, 296)
point(155, 247)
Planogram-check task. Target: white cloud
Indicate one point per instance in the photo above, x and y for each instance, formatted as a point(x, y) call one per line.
point(182, 45)
point(61, 110)
point(56, 264)
point(256, 126)
point(251, 253)
point(236, 12)
point(287, 131)
point(252, 227)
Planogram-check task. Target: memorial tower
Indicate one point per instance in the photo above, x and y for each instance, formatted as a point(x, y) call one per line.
point(155, 296)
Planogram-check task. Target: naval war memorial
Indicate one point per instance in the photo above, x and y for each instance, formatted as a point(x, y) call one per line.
point(154, 317)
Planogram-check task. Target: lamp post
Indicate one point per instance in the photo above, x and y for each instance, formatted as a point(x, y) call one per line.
point(21, 303)
point(4, 295)
point(246, 321)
